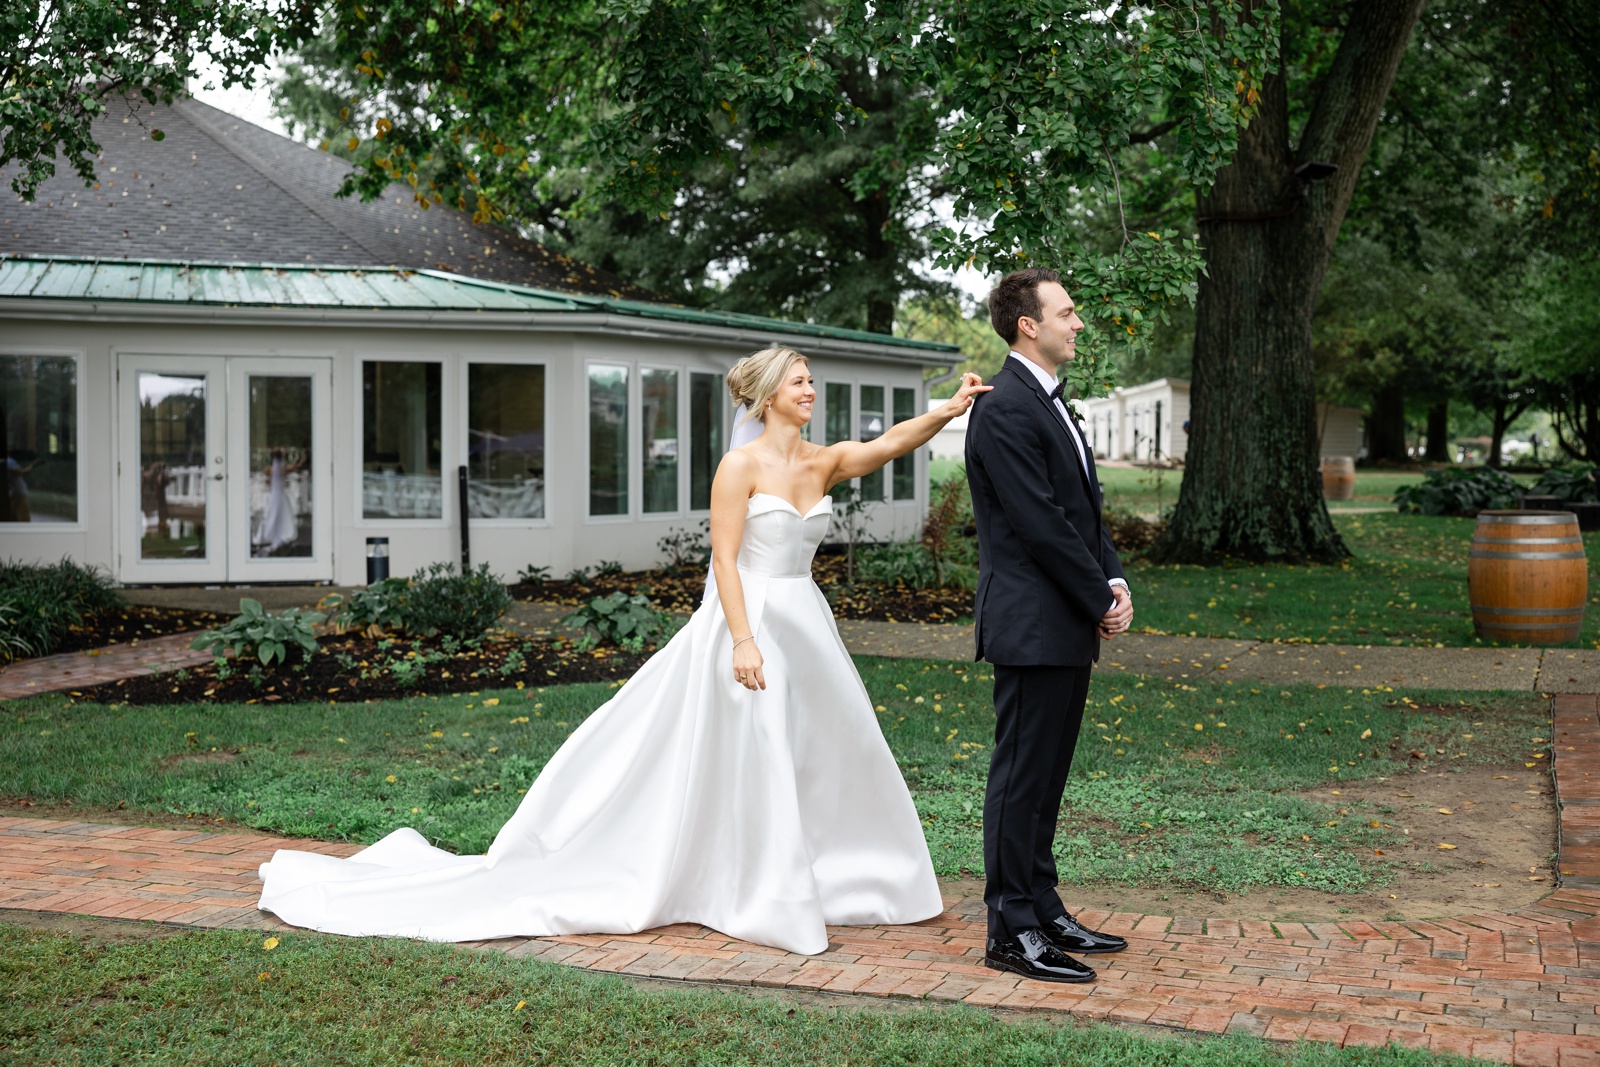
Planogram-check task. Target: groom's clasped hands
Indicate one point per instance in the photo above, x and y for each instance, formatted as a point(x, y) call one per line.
point(1120, 617)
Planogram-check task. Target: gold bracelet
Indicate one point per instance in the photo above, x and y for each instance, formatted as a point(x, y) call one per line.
point(742, 640)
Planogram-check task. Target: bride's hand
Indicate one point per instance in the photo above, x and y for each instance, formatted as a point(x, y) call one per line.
point(747, 663)
point(971, 386)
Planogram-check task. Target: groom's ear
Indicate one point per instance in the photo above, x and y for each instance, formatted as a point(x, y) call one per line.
point(1028, 327)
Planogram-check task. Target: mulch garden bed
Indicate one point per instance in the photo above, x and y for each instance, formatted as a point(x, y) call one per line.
point(355, 668)
point(134, 622)
point(680, 592)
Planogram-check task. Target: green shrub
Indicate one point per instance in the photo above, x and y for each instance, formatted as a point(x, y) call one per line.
point(906, 562)
point(259, 633)
point(1455, 491)
point(13, 643)
point(46, 601)
point(628, 621)
point(463, 606)
point(1574, 482)
point(378, 608)
point(532, 575)
point(686, 549)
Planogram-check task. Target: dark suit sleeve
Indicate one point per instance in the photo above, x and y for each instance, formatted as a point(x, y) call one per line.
point(1108, 555)
point(1020, 481)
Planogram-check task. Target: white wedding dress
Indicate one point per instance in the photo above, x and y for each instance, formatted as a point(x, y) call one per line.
point(687, 798)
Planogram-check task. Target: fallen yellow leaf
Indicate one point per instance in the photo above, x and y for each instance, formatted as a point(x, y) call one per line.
point(270, 943)
point(520, 1005)
point(391, 779)
point(1446, 846)
point(1446, 811)
point(491, 702)
point(1365, 734)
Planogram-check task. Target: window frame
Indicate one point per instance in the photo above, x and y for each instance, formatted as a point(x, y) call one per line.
point(79, 357)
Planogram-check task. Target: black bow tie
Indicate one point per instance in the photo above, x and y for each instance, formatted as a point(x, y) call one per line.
point(1059, 390)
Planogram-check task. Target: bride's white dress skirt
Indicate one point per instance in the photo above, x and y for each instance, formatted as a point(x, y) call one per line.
point(686, 798)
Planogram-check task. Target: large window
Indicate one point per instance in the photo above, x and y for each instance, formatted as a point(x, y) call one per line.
point(705, 437)
point(872, 426)
point(39, 438)
point(838, 411)
point(905, 468)
point(608, 440)
point(658, 429)
point(505, 441)
point(400, 441)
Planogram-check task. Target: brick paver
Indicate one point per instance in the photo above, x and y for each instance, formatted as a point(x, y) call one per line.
point(1520, 986)
point(76, 670)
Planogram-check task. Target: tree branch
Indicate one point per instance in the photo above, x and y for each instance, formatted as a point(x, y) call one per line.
point(1159, 129)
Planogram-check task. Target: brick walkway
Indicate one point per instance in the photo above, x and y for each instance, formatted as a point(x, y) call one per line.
point(75, 670)
point(1520, 987)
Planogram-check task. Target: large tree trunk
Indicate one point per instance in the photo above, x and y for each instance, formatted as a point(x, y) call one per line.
point(1250, 487)
point(1438, 433)
point(1386, 425)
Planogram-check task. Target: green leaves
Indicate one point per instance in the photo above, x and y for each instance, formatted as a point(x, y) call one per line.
point(62, 63)
point(256, 632)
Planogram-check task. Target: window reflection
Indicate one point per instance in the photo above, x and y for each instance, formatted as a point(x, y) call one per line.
point(39, 438)
point(658, 425)
point(505, 441)
point(905, 467)
point(705, 437)
point(280, 466)
point(172, 466)
point(872, 426)
point(400, 441)
point(608, 440)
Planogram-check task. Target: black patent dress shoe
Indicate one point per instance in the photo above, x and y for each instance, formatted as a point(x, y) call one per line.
point(1067, 935)
point(1031, 955)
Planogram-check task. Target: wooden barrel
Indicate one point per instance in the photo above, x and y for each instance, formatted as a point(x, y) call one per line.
point(1338, 477)
point(1527, 577)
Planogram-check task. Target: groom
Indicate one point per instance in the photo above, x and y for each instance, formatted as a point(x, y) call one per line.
point(1049, 588)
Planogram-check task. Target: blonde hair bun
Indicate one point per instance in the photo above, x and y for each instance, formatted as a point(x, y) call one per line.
point(756, 378)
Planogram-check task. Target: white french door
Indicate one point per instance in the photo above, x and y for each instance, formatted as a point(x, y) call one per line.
point(225, 469)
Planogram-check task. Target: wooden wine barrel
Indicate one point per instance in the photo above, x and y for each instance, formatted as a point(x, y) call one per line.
point(1527, 577)
point(1338, 477)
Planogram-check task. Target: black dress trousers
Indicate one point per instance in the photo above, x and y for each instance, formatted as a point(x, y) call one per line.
point(1038, 711)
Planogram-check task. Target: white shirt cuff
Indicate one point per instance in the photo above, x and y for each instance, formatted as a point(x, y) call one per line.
point(1119, 581)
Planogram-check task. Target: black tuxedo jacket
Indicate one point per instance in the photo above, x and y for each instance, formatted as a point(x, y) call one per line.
point(1044, 555)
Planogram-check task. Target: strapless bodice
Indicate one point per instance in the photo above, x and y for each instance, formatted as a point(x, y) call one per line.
point(779, 542)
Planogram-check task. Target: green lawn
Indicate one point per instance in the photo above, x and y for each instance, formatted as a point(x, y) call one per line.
point(223, 998)
point(1167, 773)
point(1406, 585)
point(1147, 491)
point(1134, 489)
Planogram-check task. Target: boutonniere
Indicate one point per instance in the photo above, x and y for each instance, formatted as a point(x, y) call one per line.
point(1073, 410)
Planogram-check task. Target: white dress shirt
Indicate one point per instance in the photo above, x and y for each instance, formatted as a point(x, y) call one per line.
point(1047, 381)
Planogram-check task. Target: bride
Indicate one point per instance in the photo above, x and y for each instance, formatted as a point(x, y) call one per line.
point(739, 780)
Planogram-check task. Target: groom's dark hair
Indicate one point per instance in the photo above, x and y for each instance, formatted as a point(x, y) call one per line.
point(1016, 295)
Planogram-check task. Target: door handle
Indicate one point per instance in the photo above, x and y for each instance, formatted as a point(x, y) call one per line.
point(218, 477)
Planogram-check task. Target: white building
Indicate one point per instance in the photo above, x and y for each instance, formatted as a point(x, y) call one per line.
point(184, 420)
point(1149, 422)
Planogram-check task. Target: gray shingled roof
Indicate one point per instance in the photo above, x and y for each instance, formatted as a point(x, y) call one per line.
point(219, 189)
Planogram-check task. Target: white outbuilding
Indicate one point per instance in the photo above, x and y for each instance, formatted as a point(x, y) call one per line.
point(183, 402)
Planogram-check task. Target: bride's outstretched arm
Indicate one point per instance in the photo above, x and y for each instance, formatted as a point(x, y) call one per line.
point(730, 501)
point(852, 459)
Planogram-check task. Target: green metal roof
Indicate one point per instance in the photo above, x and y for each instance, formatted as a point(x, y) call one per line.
point(154, 281)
